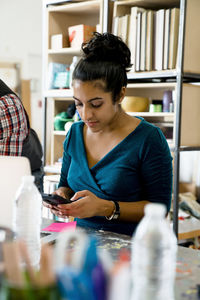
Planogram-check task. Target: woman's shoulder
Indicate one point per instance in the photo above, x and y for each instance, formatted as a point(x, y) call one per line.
point(151, 134)
point(148, 127)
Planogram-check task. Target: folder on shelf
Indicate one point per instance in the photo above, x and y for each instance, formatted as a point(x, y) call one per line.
point(173, 43)
point(132, 37)
point(138, 42)
point(159, 39)
point(143, 41)
point(125, 27)
point(115, 25)
point(166, 39)
point(149, 40)
point(119, 28)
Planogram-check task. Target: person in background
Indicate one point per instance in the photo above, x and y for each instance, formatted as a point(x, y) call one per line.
point(16, 136)
point(113, 163)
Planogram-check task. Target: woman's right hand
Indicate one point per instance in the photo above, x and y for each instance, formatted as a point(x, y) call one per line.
point(64, 192)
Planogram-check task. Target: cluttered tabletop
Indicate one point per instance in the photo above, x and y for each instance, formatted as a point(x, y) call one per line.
point(187, 284)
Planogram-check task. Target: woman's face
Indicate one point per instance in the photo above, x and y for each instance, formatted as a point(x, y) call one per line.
point(94, 105)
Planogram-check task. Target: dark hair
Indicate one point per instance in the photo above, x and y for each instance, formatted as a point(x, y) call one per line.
point(105, 57)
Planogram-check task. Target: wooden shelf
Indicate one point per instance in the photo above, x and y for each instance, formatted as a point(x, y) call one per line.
point(154, 85)
point(76, 7)
point(68, 51)
point(149, 114)
point(189, 228)
point(152, 75)
point(62, 93)
point(150, 3)
point(54, 169)
point(60, 132)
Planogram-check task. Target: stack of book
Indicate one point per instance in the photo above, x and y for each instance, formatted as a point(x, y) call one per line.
point(152, 37)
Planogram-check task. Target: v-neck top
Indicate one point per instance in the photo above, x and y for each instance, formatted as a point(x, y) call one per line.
point(138, 168)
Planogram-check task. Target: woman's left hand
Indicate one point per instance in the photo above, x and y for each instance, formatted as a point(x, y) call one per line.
point(86, 205)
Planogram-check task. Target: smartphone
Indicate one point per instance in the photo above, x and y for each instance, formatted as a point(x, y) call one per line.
point(54, 199)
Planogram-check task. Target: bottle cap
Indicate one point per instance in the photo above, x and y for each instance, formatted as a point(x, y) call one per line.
point(155, 209)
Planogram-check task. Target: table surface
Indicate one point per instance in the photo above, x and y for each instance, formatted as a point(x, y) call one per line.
point(187, 267)
point(188, 228)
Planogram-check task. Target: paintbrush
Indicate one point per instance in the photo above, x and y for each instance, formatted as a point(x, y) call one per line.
point(46, 274)
point(25, 257)
point(11, 257)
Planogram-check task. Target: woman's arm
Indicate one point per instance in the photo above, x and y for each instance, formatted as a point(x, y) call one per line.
point(129, 211)
point(132, 212)
point(85, 204)
point(156, 170)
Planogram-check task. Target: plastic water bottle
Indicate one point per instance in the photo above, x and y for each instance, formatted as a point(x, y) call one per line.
point(153, 259)
point(27, 221)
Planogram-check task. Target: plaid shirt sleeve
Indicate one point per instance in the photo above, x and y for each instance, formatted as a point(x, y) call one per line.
point(13, 125)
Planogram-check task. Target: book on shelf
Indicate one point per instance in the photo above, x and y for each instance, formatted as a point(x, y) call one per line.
point(138, 42)
point(128, 28)
point(152, 37)
point(125, 27)
point(53, 69)
point(166, 39)
point(149, 40)
point(98, 28)
point(159, 39)
point(143, 41)
point(173, 40)
point(119, 28)
point(132, 37)
point(115, 25)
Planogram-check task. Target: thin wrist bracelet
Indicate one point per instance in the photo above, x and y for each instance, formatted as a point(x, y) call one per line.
point(116, 213)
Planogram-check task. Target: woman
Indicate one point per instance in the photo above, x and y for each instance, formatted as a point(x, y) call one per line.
point(113, 164)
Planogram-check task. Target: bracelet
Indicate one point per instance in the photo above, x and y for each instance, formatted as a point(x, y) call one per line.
point(116, 213)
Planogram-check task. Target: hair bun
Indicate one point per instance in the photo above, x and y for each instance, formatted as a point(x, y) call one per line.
point(107, 47)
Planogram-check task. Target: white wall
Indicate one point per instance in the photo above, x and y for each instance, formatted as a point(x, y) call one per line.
point(21, 41)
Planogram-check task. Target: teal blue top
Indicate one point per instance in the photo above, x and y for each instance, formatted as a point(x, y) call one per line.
point(138, 168)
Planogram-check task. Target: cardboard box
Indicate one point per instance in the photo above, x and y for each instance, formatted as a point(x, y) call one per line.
point(79, 34)
point(58, 41)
